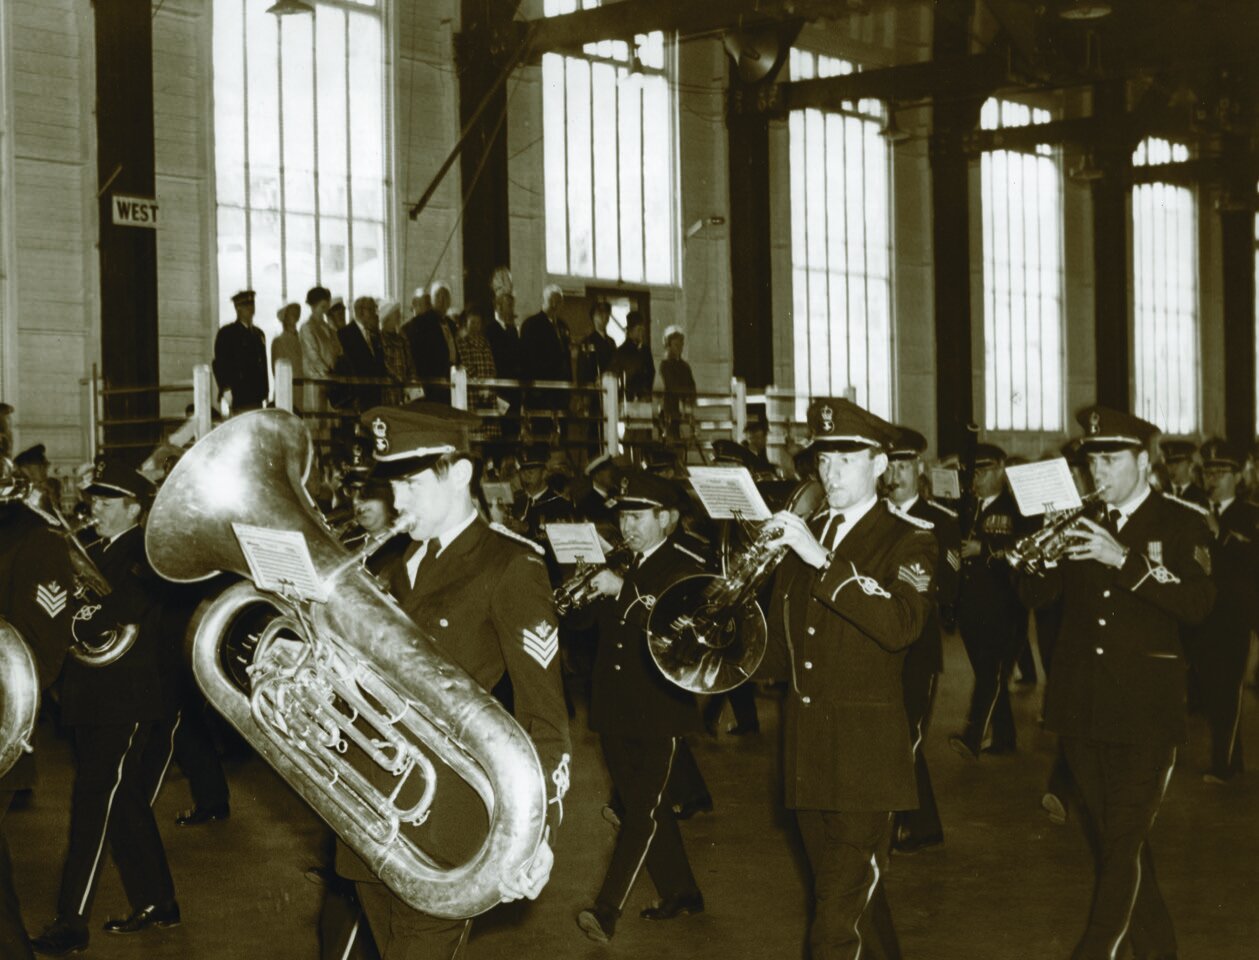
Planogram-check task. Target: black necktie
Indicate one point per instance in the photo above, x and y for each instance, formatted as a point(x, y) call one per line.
point(831, 530)
point(1114, 516)
point(427, 562)
point(636, 562)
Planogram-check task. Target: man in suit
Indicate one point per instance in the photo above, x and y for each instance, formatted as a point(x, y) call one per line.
point(362, 356)
point(434, 343)
point(1221, 644)
point(639, 715)
point(115, 713)
point(240, 358)
point(1117, 690)
point(852, 596)
point(545, 354)
point(595, 352)
point(988, 608)
point(504, 340)
point(36, 583)
point(1178, 457)
point(917, 829)
point(632, 363)
point(481, 593)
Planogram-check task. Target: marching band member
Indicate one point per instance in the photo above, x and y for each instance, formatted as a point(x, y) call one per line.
point(850, 599)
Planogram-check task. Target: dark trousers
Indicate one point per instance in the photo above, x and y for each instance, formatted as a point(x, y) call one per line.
point(13, 940)
point(640, 768)
point(848, 855)
point(1121, 787)
point(1024, 658)
point(991, 644)
point(196, 753)
point(742, 703)
point(118, 772)
point(1220, 658)
point(403, 933)
point(686, 783)
point(924, 822)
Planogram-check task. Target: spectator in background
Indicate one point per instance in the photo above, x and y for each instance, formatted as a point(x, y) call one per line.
point(421, 302)
point(478, 359)
point(397, 353)
point(595, 352)
point(240, 359)
point(288, 345)
point(679, 383)
point(504, 341)
point(434, 343)
point(320, 347)
point(545, 354)
point(6, 430)
point(362, 356)
point(632, 363)
point(336, 314)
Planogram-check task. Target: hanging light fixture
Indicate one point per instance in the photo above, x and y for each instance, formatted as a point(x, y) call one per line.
point(285, 8)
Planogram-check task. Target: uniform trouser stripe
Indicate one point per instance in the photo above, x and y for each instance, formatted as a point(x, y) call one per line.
point(1237, 719)
point(349, 942)
point(100, 846)
point(170, 753)
point(874, 883)
point(664, 783)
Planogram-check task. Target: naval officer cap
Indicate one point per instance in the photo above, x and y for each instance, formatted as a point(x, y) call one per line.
point(908, 444)
point(113, 479)
point(726, 451)
point(1107, 430)
point(641, 490)
point(989, 455)
point(409, 440)
point(1223, 453)
point(839, 425)
point(243, 298)
point(1176, 449)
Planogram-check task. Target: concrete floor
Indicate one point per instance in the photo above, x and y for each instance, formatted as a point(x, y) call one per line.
point(1007, 885)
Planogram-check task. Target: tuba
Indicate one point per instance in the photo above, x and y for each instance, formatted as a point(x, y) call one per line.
point(19, 696)
point(1043, 548)
point(342, 691)
point(707, 633)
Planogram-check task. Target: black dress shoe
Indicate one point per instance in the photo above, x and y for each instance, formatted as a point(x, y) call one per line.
point(154, 915)
point(684, 811)
point(912, 845)
point(670, 908)
point(962, 748)
point(197, 815)
point(598, 923)
point(60, 938)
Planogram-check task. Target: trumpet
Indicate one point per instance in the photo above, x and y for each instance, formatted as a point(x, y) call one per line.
point(578, 591)
point(1042, 549)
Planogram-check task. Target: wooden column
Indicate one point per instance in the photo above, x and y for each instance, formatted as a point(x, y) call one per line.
point(1111, 225)
point(128, 254)
point(483, 50)
point(950, 229)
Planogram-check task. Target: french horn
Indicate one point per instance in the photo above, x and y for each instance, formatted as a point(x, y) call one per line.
point(19, 696)
point(707, 633)
point(345, 697)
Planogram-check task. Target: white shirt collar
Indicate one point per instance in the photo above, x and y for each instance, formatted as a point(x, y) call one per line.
point(650, 550)
point(114, 539)
point(907, 505)
point(444, 540)
point(1225, 504)
point(1127, 509)
point(986, 502)
point(852, 515)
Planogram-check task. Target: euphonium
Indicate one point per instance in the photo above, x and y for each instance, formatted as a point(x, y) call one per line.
point(707, 633)
point(1036, 551)
point(19, 696)
point(346, 690)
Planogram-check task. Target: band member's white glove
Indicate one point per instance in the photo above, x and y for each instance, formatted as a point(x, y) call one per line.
point(795, 533)
point(531, 878)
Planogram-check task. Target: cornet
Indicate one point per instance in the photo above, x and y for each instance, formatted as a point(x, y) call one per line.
point(1042, 549)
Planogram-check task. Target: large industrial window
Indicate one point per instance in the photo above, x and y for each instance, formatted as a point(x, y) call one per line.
point(841, 277)
point(300, 152)
point(1165, 294)
point(1023, 278)
point(608, 151)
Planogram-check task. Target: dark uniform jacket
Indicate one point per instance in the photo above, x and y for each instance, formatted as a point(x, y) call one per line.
point(594, 356)
point(926, 656)
point(36, 598)
point(630, 697)
point(1235, 569)
point(840, 635)
point(634, 366)
point(240, 364)
point(549, 507)
point(1119, 670)
point(133, 687)
point(486, 603)
point(987, 594)
point(1191, 493)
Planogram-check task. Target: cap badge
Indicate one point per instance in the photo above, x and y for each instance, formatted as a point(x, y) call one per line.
point(380, 430)
point(1095, 423)
point(625, 484)
point(828, 418)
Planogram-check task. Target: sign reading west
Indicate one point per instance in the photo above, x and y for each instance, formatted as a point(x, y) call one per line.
point(134, 211)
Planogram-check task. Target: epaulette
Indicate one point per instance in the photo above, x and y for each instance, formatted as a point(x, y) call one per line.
point(690, 553)
point(1187, 503)
point(512, 535)
point(943, 509)
point(916, 521)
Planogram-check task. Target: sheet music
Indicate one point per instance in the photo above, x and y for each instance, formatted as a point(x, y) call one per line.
point(575, 543)
point(497, 491)
point(279, 561)
point(1043, 486)
point(945, 484)
point(726, 491)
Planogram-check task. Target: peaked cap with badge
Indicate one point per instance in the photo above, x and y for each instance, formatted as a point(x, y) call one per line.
point(908, 444)
point(409, 440)
point(113, 478)
point(836, 424)
point(1106, 429)
point(1176, 449)
point(641, 490)
point(1219, 452)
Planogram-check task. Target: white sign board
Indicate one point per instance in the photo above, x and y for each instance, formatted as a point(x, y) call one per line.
point(728, 492)
point(1043, 486)
point(134, 211)
point(945, 484)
